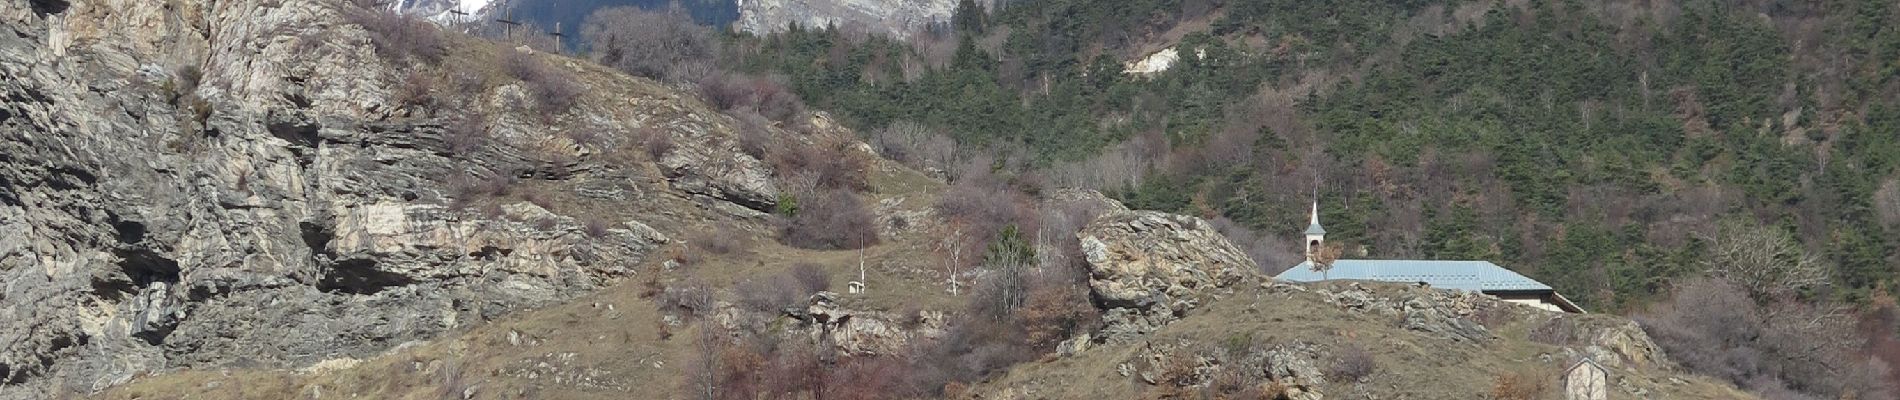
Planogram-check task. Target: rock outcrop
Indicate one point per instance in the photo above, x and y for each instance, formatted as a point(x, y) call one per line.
point(1148, 268)
point(1289, 371)
point(188, 184)
point(1443, 313)
point(860, 333)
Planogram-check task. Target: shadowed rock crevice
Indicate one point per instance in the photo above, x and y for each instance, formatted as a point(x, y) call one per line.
point(298, 132)
point(359, 277)
point(70, 178)
point(317, 237)
point(48, 7)
point(155, 336)
point(129, 232)
point(138, 270)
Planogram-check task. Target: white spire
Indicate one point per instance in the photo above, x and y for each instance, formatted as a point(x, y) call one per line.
point(1314, 233)
point(1315, 210)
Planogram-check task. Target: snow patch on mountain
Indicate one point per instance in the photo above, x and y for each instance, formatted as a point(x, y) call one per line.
point(445, 11)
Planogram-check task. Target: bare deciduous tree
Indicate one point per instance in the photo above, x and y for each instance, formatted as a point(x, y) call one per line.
point(646, 43)
point(1767, 262)
point(702, 372)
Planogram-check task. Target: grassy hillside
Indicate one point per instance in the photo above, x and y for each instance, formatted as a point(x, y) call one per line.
point(1530, 348)
point(1622, 152)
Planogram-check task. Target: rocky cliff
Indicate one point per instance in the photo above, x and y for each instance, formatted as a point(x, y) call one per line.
point(898, 19)
point(195, 183)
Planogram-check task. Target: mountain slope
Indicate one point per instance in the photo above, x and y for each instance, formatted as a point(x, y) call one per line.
point(189, 185)
point(1355, 340)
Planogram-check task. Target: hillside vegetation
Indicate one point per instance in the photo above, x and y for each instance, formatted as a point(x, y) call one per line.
point(1615, 150)
point(1594, 146)
point(355, 203)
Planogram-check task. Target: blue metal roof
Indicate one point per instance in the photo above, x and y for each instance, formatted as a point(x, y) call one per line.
point(1314, 229)
point(1480, 276)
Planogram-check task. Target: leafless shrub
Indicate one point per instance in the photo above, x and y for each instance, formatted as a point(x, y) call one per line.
point(498, 184)
point(1713, 327)
point(1055, 311)
point(452, 381)
point(755, 135)
point(466, 134)
point(810, 277)
point(915, 145)
point(1557, 331)
point(1123, 167)
point(724, 240)
point(1352, 364)
point(833, 219)
point(767, 96)
point(399, 36)
point(588, 137)
point(692, 299)
point(769, 294)
point(785, 289)
point(657, 142)
point(594, 227)
point(833, 163)
point(417, 90)
point(186, 79)
point(1520, 386)
point(705, 365)
point(553, 90)
point(983, 206)
point(646, 43)
point(1060, 221)
point(1266, 251)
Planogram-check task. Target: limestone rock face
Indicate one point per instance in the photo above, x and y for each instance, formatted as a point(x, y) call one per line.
point(894, 18)
point(284, 210)
point(1626, 342)
point(1442, 313)
point(860, 333)
point(1158, 265)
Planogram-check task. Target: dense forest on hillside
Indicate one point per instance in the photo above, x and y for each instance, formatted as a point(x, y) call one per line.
point(1727, 172)
point(1595, 146)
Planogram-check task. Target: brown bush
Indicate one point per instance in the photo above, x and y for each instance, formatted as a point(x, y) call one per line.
point(721, 240)
point(692, 299)
point(1557, 331)
point(1712, 327)
point(499, 184)
point(185, 81)
point(810, 277)
point(769, 294)
point(465, 134)
point(594, 227)
point(1520, 386)
point(833, 219)
point(399, 36)
point(652, 44)
point(833, 164)
point(417, 90)
point(1351, 364)
point(983, 206)
point(766, 96)
point(657, 142)
point(915, 145)
point(1054, 313)
point(755, 136)
point(552, 90)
